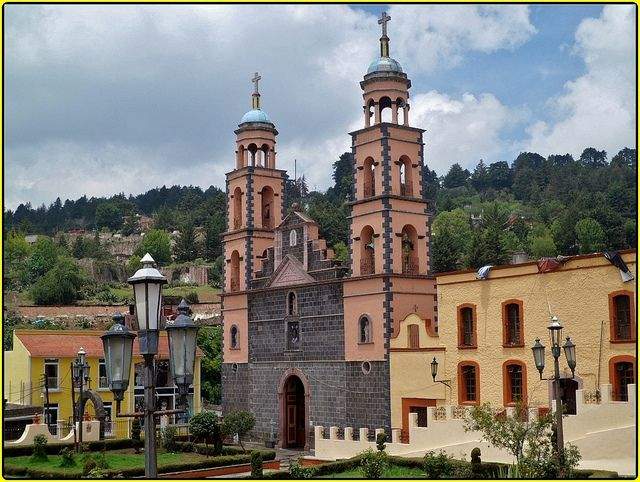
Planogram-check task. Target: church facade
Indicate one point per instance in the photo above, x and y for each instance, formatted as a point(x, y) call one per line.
point(307, 339)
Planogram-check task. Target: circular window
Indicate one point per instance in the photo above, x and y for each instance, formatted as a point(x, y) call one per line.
point(366, 367)
point(234, 368)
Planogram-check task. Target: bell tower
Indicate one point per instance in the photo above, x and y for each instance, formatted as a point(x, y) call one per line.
point(254, 209)
point(389, 238)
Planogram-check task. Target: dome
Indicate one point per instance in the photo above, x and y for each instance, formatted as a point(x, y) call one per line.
point(255, 115)
point(384, 64)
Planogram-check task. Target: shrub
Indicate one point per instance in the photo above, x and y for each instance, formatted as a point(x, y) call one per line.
point(97, 473)
point(381, 438)
point(88, 465)
point(101, 460)
point(192, 297)
point(238, 423)
point(373, 464)
point(135, 433)
point(256, 464)
point(39, 448)
point(168, 437)
point(67, 458)
point(297, 471)
point(476, 462)
point(438, 465)
point(203, 425)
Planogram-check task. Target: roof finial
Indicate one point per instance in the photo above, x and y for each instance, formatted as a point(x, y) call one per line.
point(384, 40)
point(255, 98)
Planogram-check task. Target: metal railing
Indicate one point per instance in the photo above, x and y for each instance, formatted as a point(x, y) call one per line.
point(410, 265)
point(367, 266)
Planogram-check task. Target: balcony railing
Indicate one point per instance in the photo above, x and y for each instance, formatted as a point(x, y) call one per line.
point(367, 266)
point(406, 189)
point(410, 265)
point(237, 223)
point(369, 189)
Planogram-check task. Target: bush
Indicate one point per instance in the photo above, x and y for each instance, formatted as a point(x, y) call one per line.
point(101, 460)
point(438, 466)
point(476, 462)
point(238, 423)
point(381, 438)
point(54, 448)
point(39, 448)
point(192, 297)
point(88, 465)
point(256, 464)
point(67, 458)
point(373, 464)
point(297, 471)
point(168, 437)
point(205, 426)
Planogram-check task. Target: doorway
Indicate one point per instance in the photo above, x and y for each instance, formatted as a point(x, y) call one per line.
point(294, 413)
point(568, 389)
point(414, 405)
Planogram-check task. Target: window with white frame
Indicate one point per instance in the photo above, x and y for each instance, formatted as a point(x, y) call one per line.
point(102, 374)
point(51, 371)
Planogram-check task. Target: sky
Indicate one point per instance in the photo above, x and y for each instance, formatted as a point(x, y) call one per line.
point(103, 99)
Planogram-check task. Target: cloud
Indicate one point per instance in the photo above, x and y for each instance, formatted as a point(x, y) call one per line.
point(128, 97)
point(462, 130)
point(598, 108)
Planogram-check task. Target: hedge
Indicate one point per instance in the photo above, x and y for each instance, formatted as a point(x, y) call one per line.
point(203, 449)
point(221, 461)
point(54, 448)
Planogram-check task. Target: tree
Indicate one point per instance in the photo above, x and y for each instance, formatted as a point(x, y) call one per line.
point(157, 243)
point(210, 342)
point(590, 236)
point(79, 248)
point(626, 157)
point(186, 248)
point(43, 257)
point(341, 252)
point(205, 426)
point(108, 215)
point(213, 229)
point(60, 285)
point(456, 177)
point(342, 179)
point(238, 423)
point(480, 177)
point(451, 235)
point(593, 157)
point(542, 246)
point(164, 218)
point(499, 175)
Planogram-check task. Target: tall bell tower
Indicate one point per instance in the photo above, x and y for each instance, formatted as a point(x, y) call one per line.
point(389, 238)
point(254, 209)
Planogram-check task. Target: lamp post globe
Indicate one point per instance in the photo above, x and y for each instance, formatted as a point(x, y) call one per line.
point(434, 368)
point(182, 333)
point(570, 352)
point(538, 356)
point(117, 343)
point(555, 331)
point(147, 285)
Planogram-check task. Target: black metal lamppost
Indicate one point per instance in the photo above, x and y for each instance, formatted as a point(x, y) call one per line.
point(555, 336)
point(118, 351)
point(434, 373)
point(80, 369)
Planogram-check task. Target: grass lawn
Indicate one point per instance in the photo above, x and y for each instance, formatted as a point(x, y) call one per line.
point(206, 293)
point(114, 459)
point(393, 472)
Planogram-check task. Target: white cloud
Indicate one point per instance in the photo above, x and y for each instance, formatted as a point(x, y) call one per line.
point(167, 85)
point(462, 130)
point(598, 108)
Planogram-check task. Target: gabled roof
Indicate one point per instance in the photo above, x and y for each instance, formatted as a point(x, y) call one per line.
point(303, 218)
point(66, 343)
point(290, 272)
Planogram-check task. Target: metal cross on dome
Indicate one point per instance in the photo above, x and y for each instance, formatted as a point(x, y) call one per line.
point(255, 80)
point(383, 20)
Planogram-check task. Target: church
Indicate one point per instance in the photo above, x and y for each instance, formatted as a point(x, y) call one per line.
point(308, 339)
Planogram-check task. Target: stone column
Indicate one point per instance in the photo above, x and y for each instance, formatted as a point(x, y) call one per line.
point(367, 117)
point(348, 433)
point(394, 112)
point(406, 114)
point(333, 433)
point(378, 113)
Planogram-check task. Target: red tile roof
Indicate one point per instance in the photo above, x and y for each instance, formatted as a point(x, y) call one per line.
point(66, 343)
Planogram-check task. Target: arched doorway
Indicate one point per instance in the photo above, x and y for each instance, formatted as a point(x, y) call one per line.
point(98, 407)
point(294, 410)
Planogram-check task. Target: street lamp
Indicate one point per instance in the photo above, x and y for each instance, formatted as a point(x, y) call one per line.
point(80, 369)
point(118, 348)
point(434, 372)
point(555, 335)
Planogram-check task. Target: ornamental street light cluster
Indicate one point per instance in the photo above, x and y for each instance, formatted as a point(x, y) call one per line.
point(80, 375)
point(555, 337)
point(118, 352)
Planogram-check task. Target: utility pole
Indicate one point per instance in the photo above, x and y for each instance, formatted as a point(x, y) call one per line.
point(73, 410)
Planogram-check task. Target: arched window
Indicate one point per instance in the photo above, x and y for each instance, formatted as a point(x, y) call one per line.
point(369, 177)
point(293, 237)
point(235, 342)
point(264, 155)
point(385, 109)
point(410, 263)
point(237, 208)
point(267, 207)
point(468, 383)
point(514, 382)
point(367, 251)
point(240, 157)
point(253, 150)
point(401, 110)
point(235, 271)
point(467, 326)
point(622, 373)
point(292, 303)
point(512, 323)
point(369, 112)
point(414, 336)
point(406, 178)
point(622, 317)
point(365, 329)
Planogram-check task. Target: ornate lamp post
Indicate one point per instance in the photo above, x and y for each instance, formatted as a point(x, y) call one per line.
point(434, 373)
point(80, 370)
point(555, 336)
point(118, 349)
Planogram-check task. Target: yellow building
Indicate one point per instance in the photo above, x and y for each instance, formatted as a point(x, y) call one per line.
point(486, 328)
point(40, 353)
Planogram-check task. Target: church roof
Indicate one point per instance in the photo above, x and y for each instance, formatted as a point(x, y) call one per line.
point(302, 216)
point(256, 115)
point(384, 64)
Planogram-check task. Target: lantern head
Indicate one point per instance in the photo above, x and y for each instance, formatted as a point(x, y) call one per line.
point(117, 343)
point(434, 368)
point(555, 331)
point(182, 333)
point(538, 356)
point(570, 352)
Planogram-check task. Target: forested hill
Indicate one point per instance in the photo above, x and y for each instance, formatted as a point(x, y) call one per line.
point(543, 206)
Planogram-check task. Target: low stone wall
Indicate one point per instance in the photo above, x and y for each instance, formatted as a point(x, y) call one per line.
point(603, 432)
point(90, 433)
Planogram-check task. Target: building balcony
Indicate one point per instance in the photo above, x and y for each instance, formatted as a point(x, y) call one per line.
point(410, 265)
